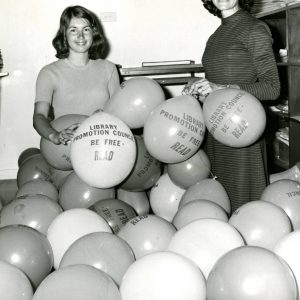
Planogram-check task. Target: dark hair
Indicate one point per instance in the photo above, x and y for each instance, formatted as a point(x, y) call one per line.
point(60, 43)
point(209, 5)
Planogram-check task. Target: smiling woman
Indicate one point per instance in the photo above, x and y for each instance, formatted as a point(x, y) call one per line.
point(238, 55)
point(81, 81)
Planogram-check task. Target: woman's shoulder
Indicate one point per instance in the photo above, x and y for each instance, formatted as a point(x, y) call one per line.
point(104, 63)
point(51, 67)
point(254, 22)
point(251, 27)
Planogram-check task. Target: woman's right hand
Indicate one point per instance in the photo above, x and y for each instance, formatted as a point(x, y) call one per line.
point(189, 88)
point(201, 88)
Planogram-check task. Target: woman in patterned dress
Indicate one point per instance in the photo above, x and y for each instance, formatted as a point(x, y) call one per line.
point(238, 55)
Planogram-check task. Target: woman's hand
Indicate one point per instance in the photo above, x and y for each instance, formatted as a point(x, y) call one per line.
point(201, 88)
point(67, 134)
point(54, 138)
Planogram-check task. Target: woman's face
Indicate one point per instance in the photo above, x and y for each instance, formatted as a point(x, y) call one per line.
point(79, 35)
point(226, 6)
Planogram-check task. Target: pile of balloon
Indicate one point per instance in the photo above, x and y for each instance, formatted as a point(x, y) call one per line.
point(120, 214)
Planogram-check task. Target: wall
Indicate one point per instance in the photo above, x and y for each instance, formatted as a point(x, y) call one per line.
point(138, 31)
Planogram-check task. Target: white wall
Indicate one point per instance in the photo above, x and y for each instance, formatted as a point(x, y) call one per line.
point(144, 30)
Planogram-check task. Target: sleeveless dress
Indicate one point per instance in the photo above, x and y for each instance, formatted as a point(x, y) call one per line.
point(240, 52)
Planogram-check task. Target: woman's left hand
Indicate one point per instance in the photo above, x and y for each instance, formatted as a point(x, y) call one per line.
point(66, 135)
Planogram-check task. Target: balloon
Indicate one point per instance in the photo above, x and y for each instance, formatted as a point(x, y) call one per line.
point(71, 225)
point(204, 241)
point(35, 167)
point(116, 212)
point(161, 276)
point(38, 186)
point(198, 209)
point(77, 282)
point(207, 189)
point(14, 284)
point(58, 177)
point(138, 200)
point(102, 250)
point(58, 156)
point(28, 250)
point(103, 151)
point(26, 154)
point(286, 194)
point(165, 197)
point(234, 117)
point(8, 190)
point(134, 100)
point(288, 248)
point(190, 171)
point(37, 211)
point(251, 273)
point(145, 172)
point(75, 193)
point(175, 129)
point(292, 173)
point(261, 223)
point(147, 234)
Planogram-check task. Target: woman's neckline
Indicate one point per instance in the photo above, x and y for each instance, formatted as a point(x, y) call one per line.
point(80, 67)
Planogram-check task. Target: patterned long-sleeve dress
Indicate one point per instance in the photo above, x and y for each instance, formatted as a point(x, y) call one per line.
point(240, 52)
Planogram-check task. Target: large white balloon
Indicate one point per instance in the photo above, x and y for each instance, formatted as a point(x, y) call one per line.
point(161, 276)
point(71, 225)
point(204, 241)
point(288, 247)
point(234, 117)
point(175, 129)
point(103, 150)
point(261, 223)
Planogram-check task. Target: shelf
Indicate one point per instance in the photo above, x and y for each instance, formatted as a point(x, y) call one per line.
point(296, 118)
point(162, 70)
point(284, 23)
point(288, 64)
point(281, 114)
point(158, 70)
point(173, 80)
point(3, 74)
point(278, 12)
point(281, 163)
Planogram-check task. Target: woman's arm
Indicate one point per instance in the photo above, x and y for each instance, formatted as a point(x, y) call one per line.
point(42, 124)
point(114, 81)
point(267, 86)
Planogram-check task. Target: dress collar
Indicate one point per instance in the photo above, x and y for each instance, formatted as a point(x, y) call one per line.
point(234, 17)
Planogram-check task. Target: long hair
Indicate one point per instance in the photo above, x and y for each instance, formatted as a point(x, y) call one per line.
point(209, 5)
point(98, 47)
